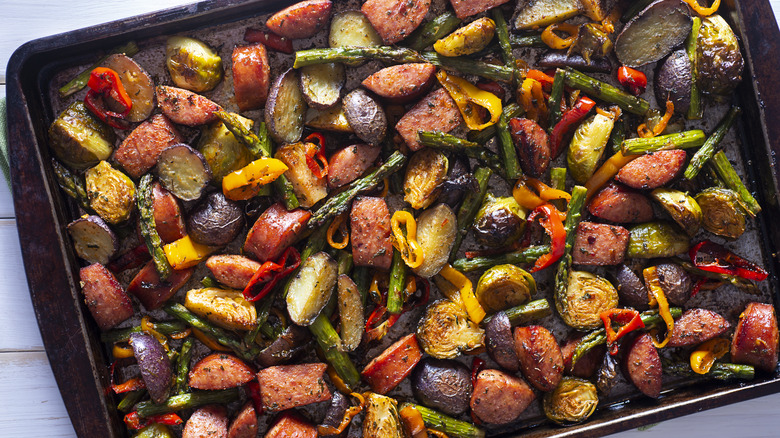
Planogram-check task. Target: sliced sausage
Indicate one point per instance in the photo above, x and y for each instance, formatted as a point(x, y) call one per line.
point(676, 282)
point(151, 290)
point(755, 341)
point(347, 164)
point(107, 301)
point(533, 146)
point(185, 107)
point(291, 425)
point(207, 422)
point(599, 244)
point(232, 269)
point(586, 365)
point(251, 76)
point(370, 232)
point(540, 357)
point(219, 371)
point(631, 289)
point(652, 170)
point(394, 20)
point(168, 219)
point(300, 20)
point(388, 369)
point(245, 423)
point(435, 112)
point(643, 365)
point(141, 149)
point(401, 83)
point(696, 326)
point(274, 231)
point(467, 8)
point(618, 203)
point(499, 397)
point(289, 386)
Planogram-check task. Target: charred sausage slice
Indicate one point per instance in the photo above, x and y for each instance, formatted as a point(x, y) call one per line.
point(467, 8)
point(599, 244)
point(401, 83)
point(274, 231)
point(245, 423)
point(696, 326)
point(755, 341)
point(291, 425)
point(107, 301)
point(370, 232)
point(643, 365)
point(167, 214)
point(219, 371)
point(151, 290)
point(533, 146)
point(346, 165)
point(300, 20)
point(587, 365)
point(251, 76)
point(185, 107)
point(289, 386)
point(618, 203)
point(435, 112)
point(540, 357)
point(652, 170)
point(232, 269)
point(207, 422)
point(499, 397)
point(394, 20)
point(141, 149)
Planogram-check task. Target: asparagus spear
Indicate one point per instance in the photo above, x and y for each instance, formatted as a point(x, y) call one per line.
point(395, 288)
point(79, 82)
point(679, 140)
point(506, 148)
point(720, 163)
point(469, 66)
point(130, 399)
point(71, 184)
point(558, 178)
point(431, 31)
point(263, 310)
point(183, 367)
point(121, 335)
point(355, 54)
point(695, 110)
point(502, 34)
point(443, 423)
point(470, 206)
point(510, 111)
point(330, 343)
point(339, 203)
point(148, 228)
point(345, 262)
point(618, 134)
point(518, 41)
point(606, 92)
point(447, 142)
point(708, 150)
point(525, 313)
point(362, 278)
point(555, 98)
point(719, 371)
point(573, 216)
point(187, 401)
point(219, 334)
point(525, 255)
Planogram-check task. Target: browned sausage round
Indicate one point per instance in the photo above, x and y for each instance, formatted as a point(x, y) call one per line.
point(107, 301)
point(540, 357)
point(586, 365)
point(185, 107)
point(151, 291)
point(251, 76)
point(394, 20)
point(696, 326)
point(207, 422)
point(274, 231)
point(300, 20)
point(435, 112)
point(245, 423)
point(533, 146)
point(755, 341)
point(347, 164)
point(599, 244)
point(617, 203)
point(141, 149)
point(167, 214)
point(370, 232)
point(643, 365)
point(401, 83)
point(219, 371)
point(467, 8)
point(232, 269)
point(652, 170)
point(499, 397)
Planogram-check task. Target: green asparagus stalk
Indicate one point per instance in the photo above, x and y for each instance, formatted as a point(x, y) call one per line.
point(362, 278)
point(606, 92)
point(525, 255)
point(187, 401)
point(122, 335)
point(130, 399)
point(555, 98)
point(80, 81)
point(330, 344)
point(443, 423)
point(263, 310)
point(519, 42)
point(525, 313)
point(502, 34)
point(446, 142)
point(220, 335)
point(395, 288)
point(469, 207)
point(183, 367)
point(339, 203)
point(356, 54)
point(679, 140)
point(506, 149)
point(719, 371)
point(558, 178)
point(470, 66)
point(729, 176)
point(208, 282)
point(71, 184)
point(618, 134)
point(148, 228)
point(635, 8)
point(706, 152)
point(573, 217)
point(345, 262)
point(510, 111)
point(695, 109)
point(431, 31)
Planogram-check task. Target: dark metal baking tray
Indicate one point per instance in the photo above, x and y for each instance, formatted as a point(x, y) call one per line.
point(71, 339)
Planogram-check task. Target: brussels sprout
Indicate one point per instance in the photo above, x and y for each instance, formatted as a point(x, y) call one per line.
point(446, 330)
point(436, 230)
point(154, 430)
point(79, 139)
point(587, 146)
point(499, 222)
point(591, 41)
point(587, 295)
point(426, 171)
point(681, 207)
point(382, 418)
point(718, 59)
point(573, 401)
point(222, 151)
point(467, 40)
point(504, 286)
point(721, 212)
point(192, 64)
point(111, 193)
point(656, 239)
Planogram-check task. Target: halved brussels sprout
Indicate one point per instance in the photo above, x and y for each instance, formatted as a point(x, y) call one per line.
point(573, 401)
point(591, 41)
point(436, 230)
point(504, 286)
point(445, 331)
point(656, 239)
point(111, 193)
point(426, 171)
point(587, 295)
point(467, 40)
point(154, 430)
point(499, 222)
point(79, 139)
point(681, 207)
point(224, 307)
point(721, 212)
point(222, 151)
point(192, 64)
point(718, 59)
point(382, 418)
point(587, 146)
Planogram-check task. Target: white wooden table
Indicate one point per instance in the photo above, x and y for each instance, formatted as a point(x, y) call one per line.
point(30, 403)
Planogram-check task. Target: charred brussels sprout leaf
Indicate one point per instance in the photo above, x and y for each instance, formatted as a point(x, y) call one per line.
point(427, 170)
point(504, 286)
point(445, 331)
point(591, 42)
point(222, 151)
point(721, 212)
point(718, 59)
point(111, 193)
point(656, 239)
point(587, 295)
point(382, 418)
point(573, 401)
point(499, 222)
point(681, 207)
point(79, 139)
point(193, 64)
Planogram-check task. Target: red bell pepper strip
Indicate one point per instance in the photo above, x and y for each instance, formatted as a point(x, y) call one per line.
point(477, 365)
point(630, 320)
point(136, 422)
point(269, 39)
point(253, 388)
point(634, 80)
point(103, 84)
point(270, 273)
point(550, 219)
point(709, 256)
point(130, 385)
point(569, 119)
point(545, 79)
point(492, 87)
point(316, 150)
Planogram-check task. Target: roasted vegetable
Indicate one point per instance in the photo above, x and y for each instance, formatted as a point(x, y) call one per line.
point(311, 288)
point(673, 81)
point(155, 366)
point(366, 116)
point(656, 239)
point(718, 59)
point(216, 221)
point(681, 207)
point(591, 42)
point(138, 85)
point(183, 171)
point(79, 139)
point(442, 384)
point(308, 187)
point(587, 295)
point(468, 39)
point(504, 286)
point(111, 193)
point(352, 28)
point(382, 418)
point(499, 222)
point(445, 331)
point(436, 229)
point(285, 108)
point(539, 13)
point(721, 212)
point(154, 430)
point(192, 64)
point(321, 84)
point(350, 313)
point(500, 343)
point(226, 308)
point(425, 173)
point(653, 33)
point(332, 119)
point(289, 345)
point(93, 240)
point(588, 145)
point(221, 150)
point(573, 401)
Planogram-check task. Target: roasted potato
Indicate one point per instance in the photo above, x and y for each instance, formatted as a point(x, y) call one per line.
point(654, 33)
point(366, 116)
point(79, 139)
point(226, 308)
point(285, 108)
point(111, 193)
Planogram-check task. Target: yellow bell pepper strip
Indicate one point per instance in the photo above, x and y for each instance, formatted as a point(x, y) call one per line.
point(406, 244)
point(469, 98)
point(121, 352)
point(339, 224)
point(646, 132)
point(337, 381)
point(349, 414)
point(184, 253)
point(701, 10)
point(532, 99)
point(531, 193)
point(246, 182)
point(148, 327)
point(705, 355)
point(607, 170)
point(552, 39)
point(657, 297)
point(473, 308)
